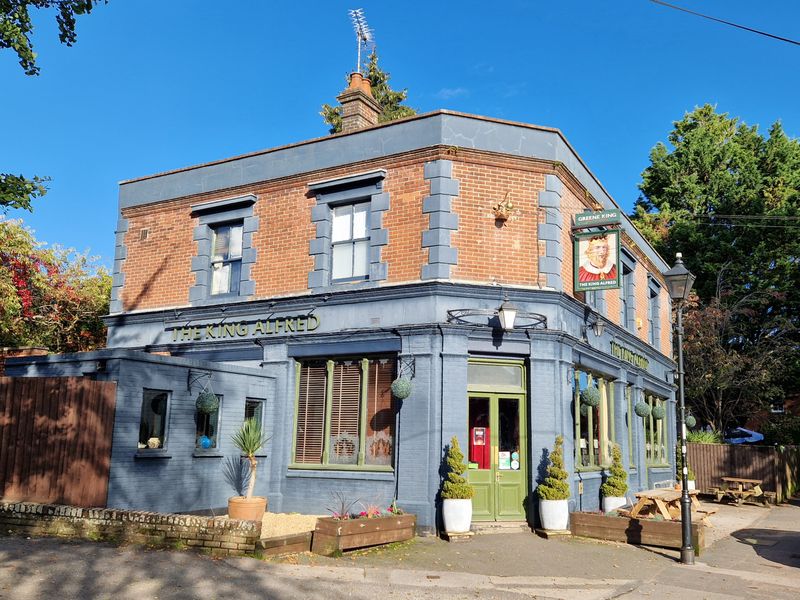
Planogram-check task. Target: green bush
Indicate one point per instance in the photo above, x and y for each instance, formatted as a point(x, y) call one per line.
point(704, 437)
point(555, 486)
point(456, 486)
point(616, 483)
point(782, 430)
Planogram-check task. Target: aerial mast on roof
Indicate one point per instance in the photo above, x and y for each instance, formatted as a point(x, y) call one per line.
point(363, 32)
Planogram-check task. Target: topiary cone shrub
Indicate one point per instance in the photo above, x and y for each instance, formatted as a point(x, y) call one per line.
point(555, 485)
point(616, 484)
point(456, 486)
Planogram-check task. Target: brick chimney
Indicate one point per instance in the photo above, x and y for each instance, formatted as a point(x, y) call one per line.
point(359, 108)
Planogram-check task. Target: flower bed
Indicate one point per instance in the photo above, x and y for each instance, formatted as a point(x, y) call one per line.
point(646, 532)
point(332, 534)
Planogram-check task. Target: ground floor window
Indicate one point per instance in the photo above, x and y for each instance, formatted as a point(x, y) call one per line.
point(153, 422)
point(207, 426)
point(594, 419)
point(655, 431)
point(630, 421)
point(254, 409)
point(345, 413)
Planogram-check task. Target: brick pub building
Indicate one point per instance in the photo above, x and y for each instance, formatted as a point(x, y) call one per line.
point(298, 283)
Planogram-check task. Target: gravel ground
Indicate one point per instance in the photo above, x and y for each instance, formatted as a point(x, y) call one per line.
point(278, 524)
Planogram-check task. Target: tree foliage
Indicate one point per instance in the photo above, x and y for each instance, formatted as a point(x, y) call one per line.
point(728, 198)
point(49, 296)
point(389, 99)
point(16, 28)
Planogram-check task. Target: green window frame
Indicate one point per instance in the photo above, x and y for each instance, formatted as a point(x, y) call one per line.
point(630, 421)
point(655, 434)
point(344, 414)
point(595, 432)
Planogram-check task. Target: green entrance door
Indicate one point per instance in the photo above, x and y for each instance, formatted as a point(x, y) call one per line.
point(497, 456)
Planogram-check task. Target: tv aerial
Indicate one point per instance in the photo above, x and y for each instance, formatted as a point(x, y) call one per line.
point(364, 34)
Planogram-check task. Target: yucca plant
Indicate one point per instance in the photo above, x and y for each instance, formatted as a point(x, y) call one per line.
point(249, 440)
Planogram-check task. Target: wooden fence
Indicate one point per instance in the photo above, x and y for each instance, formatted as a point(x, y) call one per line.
point(55, 439)
point(777, 467)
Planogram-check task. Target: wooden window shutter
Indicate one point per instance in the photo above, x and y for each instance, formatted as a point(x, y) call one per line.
point(380, 413)
point(311, 413)
point(345, 404)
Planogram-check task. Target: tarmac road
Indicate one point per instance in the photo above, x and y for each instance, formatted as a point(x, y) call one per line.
point(759, 558)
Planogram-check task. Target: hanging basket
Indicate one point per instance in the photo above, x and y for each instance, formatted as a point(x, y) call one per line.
point(207, 402)
point(642, 409)
point(584, 410)
point(401, 388)
point(691, 421)
point(590, 396)
point(659, 412)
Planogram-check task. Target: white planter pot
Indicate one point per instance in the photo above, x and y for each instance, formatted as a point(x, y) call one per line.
point(554, 514)
point(690, 484)
point(457, 515)
point(613, 502)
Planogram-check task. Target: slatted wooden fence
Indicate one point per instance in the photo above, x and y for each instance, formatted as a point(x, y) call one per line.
point(777, 467)
point(55, 439)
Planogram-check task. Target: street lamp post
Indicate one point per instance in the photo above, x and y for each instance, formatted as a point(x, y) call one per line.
point(679, 280)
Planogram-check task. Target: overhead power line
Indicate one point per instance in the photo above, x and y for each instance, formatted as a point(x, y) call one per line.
point(724, 22)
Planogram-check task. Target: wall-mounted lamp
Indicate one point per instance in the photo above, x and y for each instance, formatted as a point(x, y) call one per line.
point(507, 315)
point(598, 326)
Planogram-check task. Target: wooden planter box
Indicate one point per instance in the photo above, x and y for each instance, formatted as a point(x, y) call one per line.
point(285, 544)
point(332, 535)
point(646, 532)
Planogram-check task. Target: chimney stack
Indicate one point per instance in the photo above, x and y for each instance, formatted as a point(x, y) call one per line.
point(359, 108)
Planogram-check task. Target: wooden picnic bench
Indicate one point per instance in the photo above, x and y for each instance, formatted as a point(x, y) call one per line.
point(740, 490)
point(666, 503)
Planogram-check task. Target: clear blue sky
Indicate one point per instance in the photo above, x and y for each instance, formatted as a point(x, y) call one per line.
point(155, 85)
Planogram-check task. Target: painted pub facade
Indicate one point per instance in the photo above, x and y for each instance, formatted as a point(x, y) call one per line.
point(296, 284)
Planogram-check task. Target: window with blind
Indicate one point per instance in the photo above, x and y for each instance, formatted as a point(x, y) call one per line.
point(593, 402)
point(655, 431)
point(345, 413)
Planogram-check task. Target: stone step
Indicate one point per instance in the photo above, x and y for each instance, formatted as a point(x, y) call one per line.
point(488, 527)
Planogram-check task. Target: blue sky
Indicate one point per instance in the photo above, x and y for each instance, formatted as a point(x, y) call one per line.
point(155, 85)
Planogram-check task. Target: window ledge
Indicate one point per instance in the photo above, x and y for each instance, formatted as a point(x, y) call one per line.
point(152, 454)
point(337, 474)
point(208, 454)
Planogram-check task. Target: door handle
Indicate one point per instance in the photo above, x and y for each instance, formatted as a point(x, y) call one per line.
point(497, 476)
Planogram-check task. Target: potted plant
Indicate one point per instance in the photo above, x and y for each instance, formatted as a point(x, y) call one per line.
point(615, 485)
point(456, 492)
point(554, 491)
point(249, 440)
point(690, 477)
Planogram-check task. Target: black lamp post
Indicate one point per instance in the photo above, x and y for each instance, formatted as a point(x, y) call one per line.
point(679, 281)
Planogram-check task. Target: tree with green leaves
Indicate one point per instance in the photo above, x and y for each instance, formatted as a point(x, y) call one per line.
point(728, 198)
point(49, 296)
point(389, 100)
point(16, 27)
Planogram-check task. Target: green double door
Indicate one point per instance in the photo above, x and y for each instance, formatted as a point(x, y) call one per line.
point(497, 452)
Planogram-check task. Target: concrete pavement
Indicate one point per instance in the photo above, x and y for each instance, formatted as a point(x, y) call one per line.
point(760, 558)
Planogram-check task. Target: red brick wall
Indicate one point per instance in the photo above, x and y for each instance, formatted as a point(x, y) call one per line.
point(489, 251)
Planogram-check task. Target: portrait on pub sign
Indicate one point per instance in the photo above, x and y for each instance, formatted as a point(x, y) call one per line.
point(596, 260)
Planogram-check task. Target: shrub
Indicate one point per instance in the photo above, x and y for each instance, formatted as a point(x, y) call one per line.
point(456, 486)
point(616, 483)
point(555, 486)
point(704, 437)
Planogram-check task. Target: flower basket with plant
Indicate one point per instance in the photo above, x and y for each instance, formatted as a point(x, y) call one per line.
point(616, 484)
point(457, 492)
point(249, 440)
point(554, 491)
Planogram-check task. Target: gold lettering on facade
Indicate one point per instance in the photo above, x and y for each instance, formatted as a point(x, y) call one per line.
point(228, 330)
point(261, 327)
point(215, 331)
point(210, 333)
point(288, 324)
point(313, 322)
point(242, 330)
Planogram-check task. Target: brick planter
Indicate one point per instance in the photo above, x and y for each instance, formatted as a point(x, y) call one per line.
point(332, 535)
point(217, 536)
point(646, 532)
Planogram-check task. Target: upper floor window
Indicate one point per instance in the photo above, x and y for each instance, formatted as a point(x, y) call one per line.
point(350, 242)
point(226, 259)
point(627, 293)
point(653, 312)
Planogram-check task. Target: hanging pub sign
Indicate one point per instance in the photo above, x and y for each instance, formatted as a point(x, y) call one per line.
point(596, 260)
